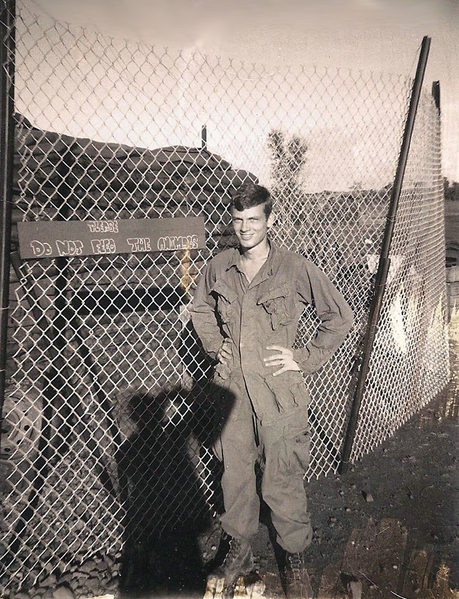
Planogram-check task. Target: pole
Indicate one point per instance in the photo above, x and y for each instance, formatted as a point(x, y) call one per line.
point(7, 51)
point(436, 94)
point(384, 260)
point(204, 137)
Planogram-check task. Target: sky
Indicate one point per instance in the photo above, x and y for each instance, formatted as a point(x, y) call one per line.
point(374, 35)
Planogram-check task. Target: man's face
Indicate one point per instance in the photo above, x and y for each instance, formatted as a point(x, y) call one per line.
point(251, 226)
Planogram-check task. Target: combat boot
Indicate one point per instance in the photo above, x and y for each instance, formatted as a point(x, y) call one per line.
point(238, 561)
point(297, 583)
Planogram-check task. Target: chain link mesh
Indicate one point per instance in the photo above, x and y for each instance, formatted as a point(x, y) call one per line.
point(107, 419)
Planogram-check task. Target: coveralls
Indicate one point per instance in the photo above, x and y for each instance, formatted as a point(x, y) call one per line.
point(261, 414)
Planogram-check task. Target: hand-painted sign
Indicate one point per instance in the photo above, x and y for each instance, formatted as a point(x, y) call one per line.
point(52, 239)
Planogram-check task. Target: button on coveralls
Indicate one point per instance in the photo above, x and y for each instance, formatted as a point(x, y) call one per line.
point(261, 414)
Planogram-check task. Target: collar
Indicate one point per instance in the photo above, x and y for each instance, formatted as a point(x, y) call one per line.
point(232, 258)
point(273, 254)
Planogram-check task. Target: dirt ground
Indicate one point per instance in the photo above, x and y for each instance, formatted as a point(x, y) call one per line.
point(389, 527)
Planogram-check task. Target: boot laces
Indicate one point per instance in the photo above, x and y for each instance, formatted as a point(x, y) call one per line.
point(234, 548)
point(295, 565)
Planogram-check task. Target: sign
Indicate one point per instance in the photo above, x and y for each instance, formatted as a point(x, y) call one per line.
point(53, 239)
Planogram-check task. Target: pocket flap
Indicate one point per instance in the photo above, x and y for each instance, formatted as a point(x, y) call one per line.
point(282, 291)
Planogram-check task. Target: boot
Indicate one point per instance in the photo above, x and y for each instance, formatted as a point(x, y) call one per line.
point(298, 585)
point(238, 560)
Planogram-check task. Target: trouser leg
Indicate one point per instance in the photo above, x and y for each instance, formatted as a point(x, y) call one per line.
point(286, 450)
point(236, 447)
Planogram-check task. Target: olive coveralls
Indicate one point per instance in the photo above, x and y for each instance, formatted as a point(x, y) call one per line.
point(261, 414)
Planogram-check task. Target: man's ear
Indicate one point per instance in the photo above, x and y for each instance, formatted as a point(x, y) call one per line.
point(271, 219)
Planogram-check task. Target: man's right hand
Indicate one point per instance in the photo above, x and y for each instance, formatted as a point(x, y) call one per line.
point(225, 353)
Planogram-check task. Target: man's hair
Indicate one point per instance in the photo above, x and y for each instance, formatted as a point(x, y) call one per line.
point(249, 195)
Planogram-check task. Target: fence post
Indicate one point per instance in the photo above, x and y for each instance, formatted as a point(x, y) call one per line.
point(384, 260)
point(436, 94)
point(204, 137)
point(7, 49)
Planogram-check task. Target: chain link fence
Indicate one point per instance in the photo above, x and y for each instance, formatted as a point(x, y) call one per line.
point(108, 411)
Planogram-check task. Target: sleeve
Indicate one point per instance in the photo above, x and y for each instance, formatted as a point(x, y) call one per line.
point(203, 313)
point(334, 313)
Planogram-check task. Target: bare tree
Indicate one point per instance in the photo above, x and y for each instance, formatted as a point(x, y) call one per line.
point(288, 157)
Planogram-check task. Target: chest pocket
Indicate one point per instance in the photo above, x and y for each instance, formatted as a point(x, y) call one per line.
point(226, 301)
point(278, 304)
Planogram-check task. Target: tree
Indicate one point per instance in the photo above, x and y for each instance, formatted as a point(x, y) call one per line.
point(294, 208)
point(451, 190)
point(288, 156)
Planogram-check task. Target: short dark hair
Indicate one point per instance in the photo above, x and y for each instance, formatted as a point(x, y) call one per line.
point(249, 195)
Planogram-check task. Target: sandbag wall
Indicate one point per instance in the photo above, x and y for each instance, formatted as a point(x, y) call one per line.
point(99, 347)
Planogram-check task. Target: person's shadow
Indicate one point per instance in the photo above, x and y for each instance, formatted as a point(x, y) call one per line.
point(164, 501)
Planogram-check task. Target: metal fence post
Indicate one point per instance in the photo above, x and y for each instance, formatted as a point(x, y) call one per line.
point(384, 260)
point(7, 48)
point(436, 94)
point(204, 137)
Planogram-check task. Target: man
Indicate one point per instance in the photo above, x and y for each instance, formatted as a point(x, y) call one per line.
point(246, 311)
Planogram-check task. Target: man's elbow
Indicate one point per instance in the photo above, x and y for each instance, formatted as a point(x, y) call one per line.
point(349, 319)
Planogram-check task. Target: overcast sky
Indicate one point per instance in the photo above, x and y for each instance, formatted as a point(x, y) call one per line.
point(381, 35)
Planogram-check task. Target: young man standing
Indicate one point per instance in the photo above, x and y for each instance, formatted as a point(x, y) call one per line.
point(246, 310)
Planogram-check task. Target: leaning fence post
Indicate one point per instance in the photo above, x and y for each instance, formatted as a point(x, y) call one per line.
point(7, 49)
point(436, 94)
point(384, 259)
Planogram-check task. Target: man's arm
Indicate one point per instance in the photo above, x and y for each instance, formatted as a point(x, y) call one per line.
point(334, 313)
point(203, 314)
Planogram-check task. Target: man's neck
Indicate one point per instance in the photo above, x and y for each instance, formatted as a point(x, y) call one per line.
point(257, 254)
point(252, 260)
